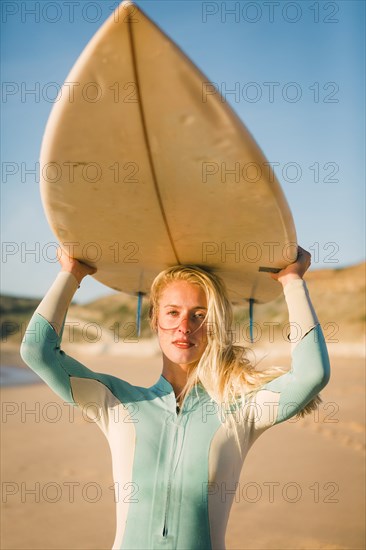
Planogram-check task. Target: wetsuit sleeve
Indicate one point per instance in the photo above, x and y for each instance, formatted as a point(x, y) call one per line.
point(288, 394)
point(302, 316)
point(68, 378)
point(41, 345)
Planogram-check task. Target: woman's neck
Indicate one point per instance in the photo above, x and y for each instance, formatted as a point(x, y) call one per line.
point(175, 374)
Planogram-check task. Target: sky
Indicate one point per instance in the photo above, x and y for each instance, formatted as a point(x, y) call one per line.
point(292, 71)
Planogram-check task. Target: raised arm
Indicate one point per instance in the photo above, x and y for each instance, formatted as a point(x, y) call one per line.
point(288, 394)
point(55, 304)
point(40, 347)
point(302, 316)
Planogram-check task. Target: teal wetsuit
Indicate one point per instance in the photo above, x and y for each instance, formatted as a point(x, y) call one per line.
point(174, 470)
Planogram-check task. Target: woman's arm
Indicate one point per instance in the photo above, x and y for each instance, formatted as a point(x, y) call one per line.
point(288, 394)
point(302, 316)
point(40, 347)
point(55, 304)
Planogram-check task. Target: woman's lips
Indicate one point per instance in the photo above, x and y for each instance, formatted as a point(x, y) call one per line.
point(183, 344)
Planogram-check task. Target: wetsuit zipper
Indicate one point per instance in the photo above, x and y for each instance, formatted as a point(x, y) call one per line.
point(165, 528)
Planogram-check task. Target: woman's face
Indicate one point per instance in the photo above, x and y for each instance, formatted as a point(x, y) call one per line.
point(182, 330)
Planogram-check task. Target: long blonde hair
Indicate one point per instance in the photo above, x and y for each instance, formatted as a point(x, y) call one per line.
point(224, 369)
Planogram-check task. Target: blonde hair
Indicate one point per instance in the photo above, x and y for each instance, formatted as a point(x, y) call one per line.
point(224, 369)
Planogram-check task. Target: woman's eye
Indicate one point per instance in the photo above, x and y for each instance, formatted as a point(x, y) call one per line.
point(173, 313)
point(200, 315)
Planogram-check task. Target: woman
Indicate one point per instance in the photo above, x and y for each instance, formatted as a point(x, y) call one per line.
point(178, 447)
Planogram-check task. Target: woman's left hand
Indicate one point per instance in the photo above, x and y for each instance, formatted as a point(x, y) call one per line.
point(295, 270)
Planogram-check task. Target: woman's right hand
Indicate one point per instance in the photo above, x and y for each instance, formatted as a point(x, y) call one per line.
point(71, 265)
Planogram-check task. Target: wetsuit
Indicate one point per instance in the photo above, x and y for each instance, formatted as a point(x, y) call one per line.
point(174, 470)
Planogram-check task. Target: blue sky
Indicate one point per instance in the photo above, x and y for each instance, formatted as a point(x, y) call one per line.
point(297, 69)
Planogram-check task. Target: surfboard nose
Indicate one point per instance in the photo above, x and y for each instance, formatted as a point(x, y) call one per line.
point(126, 10)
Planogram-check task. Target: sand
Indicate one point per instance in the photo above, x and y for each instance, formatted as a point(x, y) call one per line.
point(302, 485)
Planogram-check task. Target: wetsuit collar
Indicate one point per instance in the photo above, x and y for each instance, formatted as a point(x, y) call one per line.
point(165, 386)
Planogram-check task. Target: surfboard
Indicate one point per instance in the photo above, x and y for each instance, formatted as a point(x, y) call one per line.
point(145, 166)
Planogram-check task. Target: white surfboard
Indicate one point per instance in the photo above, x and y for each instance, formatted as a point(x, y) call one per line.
point(144, 166)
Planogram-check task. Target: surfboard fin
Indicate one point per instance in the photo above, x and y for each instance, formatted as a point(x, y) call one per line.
point(138, 312)
point(251, 305)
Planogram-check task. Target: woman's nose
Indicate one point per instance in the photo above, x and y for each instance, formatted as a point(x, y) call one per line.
point(184, 326)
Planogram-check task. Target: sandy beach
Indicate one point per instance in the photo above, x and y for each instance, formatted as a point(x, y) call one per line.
point(301, 487)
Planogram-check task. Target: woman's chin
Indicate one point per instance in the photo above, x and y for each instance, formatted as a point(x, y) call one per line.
point(183, 357)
